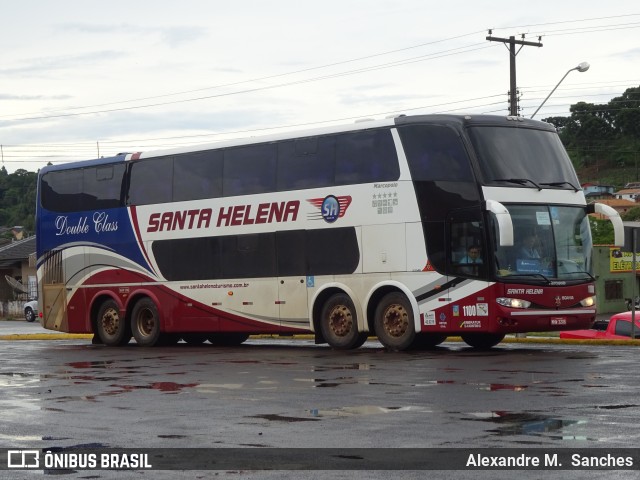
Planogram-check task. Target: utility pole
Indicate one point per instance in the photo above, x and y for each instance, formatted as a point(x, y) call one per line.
point(513, 99)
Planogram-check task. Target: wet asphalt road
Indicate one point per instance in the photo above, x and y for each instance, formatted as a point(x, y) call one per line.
point(290, 393)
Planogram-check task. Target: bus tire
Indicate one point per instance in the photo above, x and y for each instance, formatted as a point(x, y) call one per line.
point(482, 341)
point(339, 323)
point(394, 322)
point(145, 323)
point(111, 327)
point(227, 339)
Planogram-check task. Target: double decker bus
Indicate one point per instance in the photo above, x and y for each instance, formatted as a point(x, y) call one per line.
point(412, 229)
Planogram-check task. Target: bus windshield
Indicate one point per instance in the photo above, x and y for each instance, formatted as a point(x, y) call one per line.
point(551, 243)
point(526, 157)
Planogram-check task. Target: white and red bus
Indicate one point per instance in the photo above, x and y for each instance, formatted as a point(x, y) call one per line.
point(343, 232)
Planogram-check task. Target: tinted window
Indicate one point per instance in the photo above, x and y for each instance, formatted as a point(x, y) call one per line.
point(102, 186)
point(435, 154)
point(306, 163)
point(289, 253)
point(249, 256)
point(151, 181)
point(197, 175)
point(91, 188)
point(332, 251)
point(522, 153)
point(189, 258)
point(366, 157)
point(623, 327)
point(61, 191)
point(249, 170)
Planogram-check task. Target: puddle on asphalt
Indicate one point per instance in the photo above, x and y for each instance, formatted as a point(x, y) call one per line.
point(490, 387)
point(165, 387)
point(351, 366)
point(510, 423)
point(95, 364)
point(283, 418)
point(368, 410)
point(616, 407)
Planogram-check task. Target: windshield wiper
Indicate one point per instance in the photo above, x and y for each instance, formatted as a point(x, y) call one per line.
point(557, 184)
point(519, 181)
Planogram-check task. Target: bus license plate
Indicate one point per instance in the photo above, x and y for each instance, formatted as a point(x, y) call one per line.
point(558, 321)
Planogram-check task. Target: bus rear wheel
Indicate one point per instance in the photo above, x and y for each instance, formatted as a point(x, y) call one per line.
point(111, 328)
point(339, 323)
point(482, 341)
point(394, 322)
point(145, 323)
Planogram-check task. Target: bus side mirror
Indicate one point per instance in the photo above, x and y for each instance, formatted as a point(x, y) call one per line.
point(614, 217)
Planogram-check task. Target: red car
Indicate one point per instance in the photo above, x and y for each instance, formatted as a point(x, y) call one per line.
point(617, 328)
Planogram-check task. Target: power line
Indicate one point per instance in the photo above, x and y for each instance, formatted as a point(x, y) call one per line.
point(260, 79)
point(90, 146)
point(363, 70)
point(446, 53)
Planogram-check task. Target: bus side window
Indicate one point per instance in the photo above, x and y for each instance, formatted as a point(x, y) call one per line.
point(366, 157)
point(102, 186)
point(61, 190)
point(197, 176)
point(306, 163)
point(151, 181)
point(467, 253)
point(249, 169)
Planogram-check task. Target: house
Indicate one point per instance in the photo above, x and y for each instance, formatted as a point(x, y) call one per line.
point(594, 191)
point(17, 262)
point(631, 194)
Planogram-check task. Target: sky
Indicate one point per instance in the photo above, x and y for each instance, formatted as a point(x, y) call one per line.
point(86, 79)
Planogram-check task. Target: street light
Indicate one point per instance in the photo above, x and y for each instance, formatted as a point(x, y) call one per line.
point(583, 67)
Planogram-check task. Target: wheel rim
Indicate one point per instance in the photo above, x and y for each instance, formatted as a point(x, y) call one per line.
point(110, 321)
point(396, 320)
point(340, 320)
point(146, 322)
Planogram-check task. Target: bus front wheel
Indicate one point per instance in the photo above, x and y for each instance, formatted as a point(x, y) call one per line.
point(339, 323)
point(112, 329)
point(145, 323)
point(394, 322)
point(482, 341)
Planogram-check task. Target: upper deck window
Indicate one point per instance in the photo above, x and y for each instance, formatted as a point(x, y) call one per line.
point(435, 154)
point(89, 188)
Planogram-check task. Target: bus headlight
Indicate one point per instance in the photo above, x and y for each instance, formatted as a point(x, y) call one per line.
point(588, 302)
point(513, 302)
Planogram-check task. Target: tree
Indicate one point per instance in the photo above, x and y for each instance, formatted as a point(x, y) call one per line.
point(631, 215)
point(18, 199)
point(604, 136)
point(601, 231)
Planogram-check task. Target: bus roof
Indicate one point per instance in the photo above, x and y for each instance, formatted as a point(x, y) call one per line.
point(458, 121)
